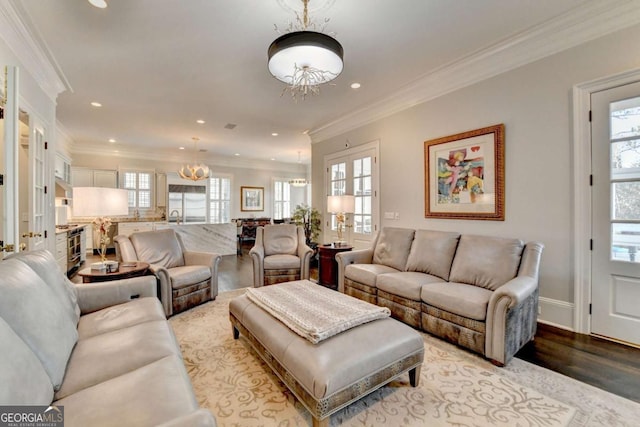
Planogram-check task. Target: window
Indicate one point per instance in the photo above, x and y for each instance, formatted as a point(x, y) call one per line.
point(219, 199)
point(281, 200)
point(337, 186)
point(140, 185)
point(362, 191)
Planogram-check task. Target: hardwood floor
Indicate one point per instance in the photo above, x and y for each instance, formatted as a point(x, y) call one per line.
point(604, 364)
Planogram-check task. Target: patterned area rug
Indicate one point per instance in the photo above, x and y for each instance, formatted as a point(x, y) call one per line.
point(457, 388)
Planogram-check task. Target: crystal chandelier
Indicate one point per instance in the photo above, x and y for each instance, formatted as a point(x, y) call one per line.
point(197, 171)
point(305, 59)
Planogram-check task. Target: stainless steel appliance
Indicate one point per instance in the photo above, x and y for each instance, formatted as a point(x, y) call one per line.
point(74, 250)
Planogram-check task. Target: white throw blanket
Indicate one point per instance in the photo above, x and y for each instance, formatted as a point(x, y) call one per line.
point(313, 311)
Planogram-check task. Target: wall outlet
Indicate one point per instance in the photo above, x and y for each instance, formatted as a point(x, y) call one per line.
point(539, 310)
point(397, 215)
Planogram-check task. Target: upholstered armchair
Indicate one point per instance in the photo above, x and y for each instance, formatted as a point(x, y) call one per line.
point(280, 254)
point(185, 278)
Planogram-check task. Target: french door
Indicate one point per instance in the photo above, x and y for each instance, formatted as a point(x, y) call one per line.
point(615, 147)
point(354, 172)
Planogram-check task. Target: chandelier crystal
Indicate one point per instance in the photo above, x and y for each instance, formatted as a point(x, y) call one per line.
point(196, 171)
point(305, 59)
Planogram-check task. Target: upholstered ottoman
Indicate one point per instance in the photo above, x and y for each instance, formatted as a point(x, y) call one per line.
point(329, 375)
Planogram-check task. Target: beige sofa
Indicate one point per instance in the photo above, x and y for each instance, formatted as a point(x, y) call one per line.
point(479, 292)
point(105, 351)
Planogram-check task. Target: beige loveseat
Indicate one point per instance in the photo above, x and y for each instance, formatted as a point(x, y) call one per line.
point(104, 351)
point(479, 292)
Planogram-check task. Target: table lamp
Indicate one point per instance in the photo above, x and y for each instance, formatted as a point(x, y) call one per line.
point(101, 203)
point(340, 206)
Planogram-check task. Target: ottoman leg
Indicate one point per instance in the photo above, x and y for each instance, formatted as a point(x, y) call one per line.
point(414, 376)
point(321, 423)
point(236, 333)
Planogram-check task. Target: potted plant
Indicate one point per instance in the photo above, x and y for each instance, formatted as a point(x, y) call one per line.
point(309, 219)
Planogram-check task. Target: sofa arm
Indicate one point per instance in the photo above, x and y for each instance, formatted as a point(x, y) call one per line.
point(199, 418)
point(304, 253)
point(93, 297)
point(362, 256)
point(257, 257)
point(164, 284)
point(511, 318)
point(210, 259)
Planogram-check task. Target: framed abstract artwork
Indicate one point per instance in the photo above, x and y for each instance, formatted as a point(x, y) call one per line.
point(464, 175)
point(251, 199)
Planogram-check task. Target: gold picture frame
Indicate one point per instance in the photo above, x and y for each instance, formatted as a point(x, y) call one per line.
point(464, 175)
point(251, 199)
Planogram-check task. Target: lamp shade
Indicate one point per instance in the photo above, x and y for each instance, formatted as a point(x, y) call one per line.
point(341, 204)
point(98, 201)
point(305, 50)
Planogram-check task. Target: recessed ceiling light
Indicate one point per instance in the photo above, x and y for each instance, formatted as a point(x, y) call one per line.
point(200, 121)
point(112, 140)
point(305, 132)
point(96, 104)
point(273, 159)
point(237, 154)
point(98, 3)
point(181, 148)
point(274, 134)
point(355, 85)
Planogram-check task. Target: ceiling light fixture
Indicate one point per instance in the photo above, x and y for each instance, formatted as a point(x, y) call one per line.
point(101, 4)
point(305, 59)
point(96, 104)
point(111, 140)
point(200, 121)
point(197, 171)
point(355, 85)
point(298, 182)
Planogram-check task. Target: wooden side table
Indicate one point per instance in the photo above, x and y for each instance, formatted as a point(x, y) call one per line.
point(328, 266)
point(125, 270)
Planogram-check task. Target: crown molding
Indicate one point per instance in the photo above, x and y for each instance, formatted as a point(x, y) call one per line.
point(209, 159)
point(589, 21)
point(30, 50)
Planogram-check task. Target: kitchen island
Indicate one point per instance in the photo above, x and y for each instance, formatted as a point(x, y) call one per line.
point(218, 238)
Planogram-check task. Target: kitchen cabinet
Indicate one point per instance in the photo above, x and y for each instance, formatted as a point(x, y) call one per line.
point(128, 228)
point(61, 251)
point(63, 168)
point(85, 177)
point(161, 190)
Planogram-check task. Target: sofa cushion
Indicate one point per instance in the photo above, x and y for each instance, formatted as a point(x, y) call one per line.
point(120, 316)
point(277, 262)
point(458, 298)
point(188, 275)
point(36, 315)
point(45, 265)
point(407, 284)
point(160, 247)
point(392, 247)
point(116, 353)
point(432, 252)
point(280, 239)
point(488, 262)
point(148, 396)
point(23, 378)
point(366, 273)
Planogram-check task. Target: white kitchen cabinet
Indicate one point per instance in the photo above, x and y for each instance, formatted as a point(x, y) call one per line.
point(85, 177)
point(128, 228)
point(61, 251)
point(63, 168)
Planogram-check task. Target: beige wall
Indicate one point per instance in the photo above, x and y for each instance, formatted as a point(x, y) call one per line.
point(534, 103)
point(251, 177)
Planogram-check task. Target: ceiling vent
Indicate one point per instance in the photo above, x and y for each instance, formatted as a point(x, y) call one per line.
point(230, 126)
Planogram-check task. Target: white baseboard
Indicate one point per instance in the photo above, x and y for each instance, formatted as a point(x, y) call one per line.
point(556, 313)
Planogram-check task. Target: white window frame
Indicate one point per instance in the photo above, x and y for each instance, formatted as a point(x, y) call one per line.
point(152, 188)
point(210, 199)
point(285, 202)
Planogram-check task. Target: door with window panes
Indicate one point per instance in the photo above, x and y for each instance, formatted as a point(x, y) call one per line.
point(354, 173)
point(615, 276)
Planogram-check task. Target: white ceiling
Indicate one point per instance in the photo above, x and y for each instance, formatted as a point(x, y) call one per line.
point(159, 65)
